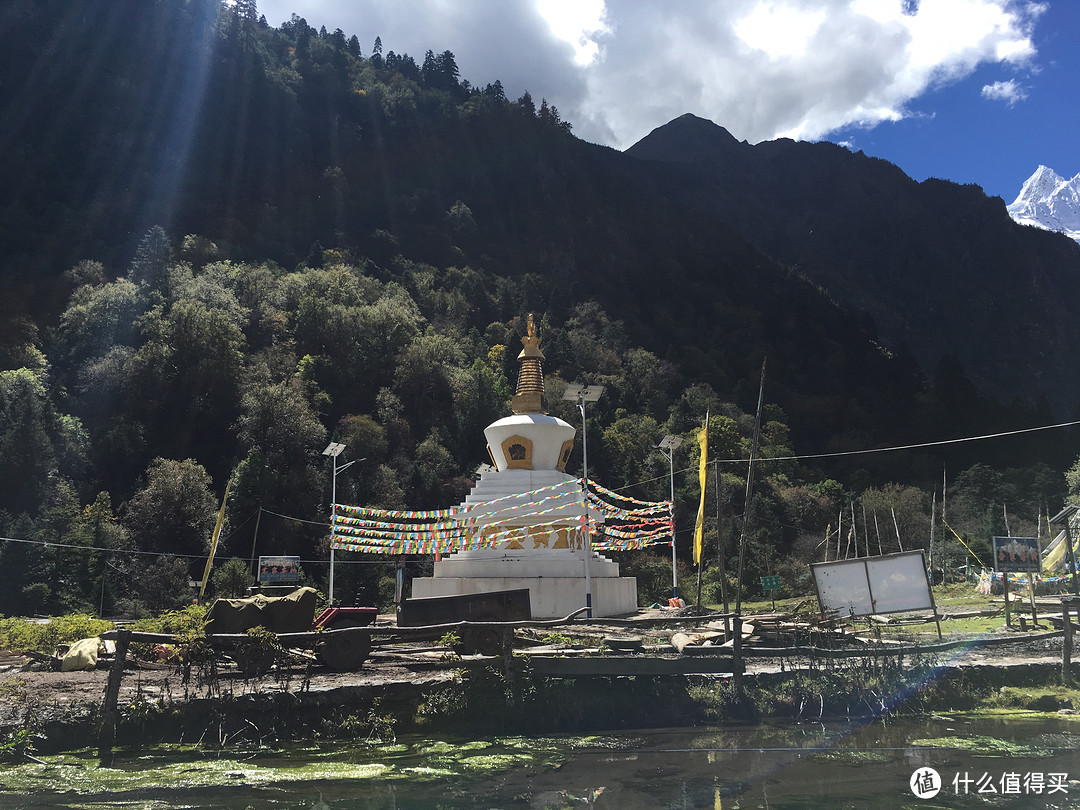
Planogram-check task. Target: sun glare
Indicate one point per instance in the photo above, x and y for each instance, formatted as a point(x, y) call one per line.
point(577, 22)
point(778, 30)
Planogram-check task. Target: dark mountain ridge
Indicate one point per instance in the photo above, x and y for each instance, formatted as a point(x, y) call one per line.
point(938, 267)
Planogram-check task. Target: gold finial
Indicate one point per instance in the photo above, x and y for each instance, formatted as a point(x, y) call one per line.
point(531, 343)
point(530, 386)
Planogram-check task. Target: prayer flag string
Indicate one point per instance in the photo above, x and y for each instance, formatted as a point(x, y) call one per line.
point(498, 522)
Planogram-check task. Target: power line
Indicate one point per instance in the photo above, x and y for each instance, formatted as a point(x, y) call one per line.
point(800, 457)
point(924, 444)
point(131, 551)
point(324, 523)
point(50, 544)
point(919, 445)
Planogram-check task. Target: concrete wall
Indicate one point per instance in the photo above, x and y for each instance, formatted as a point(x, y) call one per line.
point(551, 597)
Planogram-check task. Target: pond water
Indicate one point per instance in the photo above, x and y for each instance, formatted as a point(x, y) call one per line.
point(1010, 761)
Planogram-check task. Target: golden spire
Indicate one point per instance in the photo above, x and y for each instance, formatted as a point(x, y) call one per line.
point(530, 385)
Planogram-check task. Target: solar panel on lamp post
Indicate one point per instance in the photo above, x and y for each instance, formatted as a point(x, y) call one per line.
point(668, 446)
point(582, 394)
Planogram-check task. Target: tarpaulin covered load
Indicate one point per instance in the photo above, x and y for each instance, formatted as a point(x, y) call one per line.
point(82, 655)
point(292, 613)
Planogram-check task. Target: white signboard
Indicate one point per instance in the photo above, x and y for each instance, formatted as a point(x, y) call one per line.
point(893, 583)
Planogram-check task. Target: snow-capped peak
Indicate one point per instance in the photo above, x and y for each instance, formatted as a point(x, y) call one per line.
point(1049, 201)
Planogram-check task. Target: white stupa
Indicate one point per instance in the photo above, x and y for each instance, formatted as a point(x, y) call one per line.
point(541, 541)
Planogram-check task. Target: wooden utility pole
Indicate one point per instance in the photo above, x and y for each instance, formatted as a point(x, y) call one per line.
point(720, 540)
point(933, 513)
point(749, 488)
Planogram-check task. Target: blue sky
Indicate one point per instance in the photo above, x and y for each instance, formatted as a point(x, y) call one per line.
point(975, 91)
point(956, 134)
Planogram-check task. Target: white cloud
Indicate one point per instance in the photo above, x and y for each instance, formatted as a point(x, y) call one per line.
point(577, 22)
point(779, 31)
point(1010, 92)
point(760, 68)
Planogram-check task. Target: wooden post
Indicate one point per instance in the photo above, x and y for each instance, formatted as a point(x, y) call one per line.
point(1068, 605)
point(933, 606)
point(107, 730)
point(736, 656)
point(1031, 595)
point(506, 652)
point(700, 561)
point(1005, 590)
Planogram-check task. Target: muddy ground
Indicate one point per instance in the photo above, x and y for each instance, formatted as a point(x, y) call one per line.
point(31, 687)
point(27, 690)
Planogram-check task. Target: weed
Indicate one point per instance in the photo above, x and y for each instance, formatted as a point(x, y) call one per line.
point(557, 640)
point(259, 653)
point(18, 744)
point(452, 641)
point(198, 658)
point(13, 690)
point(380, 726)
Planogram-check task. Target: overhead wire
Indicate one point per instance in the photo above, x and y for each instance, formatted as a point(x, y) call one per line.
point(841, 453)
point(799, 457)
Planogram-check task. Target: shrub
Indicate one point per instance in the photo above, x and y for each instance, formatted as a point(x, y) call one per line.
point(26, 636)
point(187, 621)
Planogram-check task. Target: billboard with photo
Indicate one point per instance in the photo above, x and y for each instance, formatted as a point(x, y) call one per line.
point(892, 583)
point(279, 569)
point(1016, 555)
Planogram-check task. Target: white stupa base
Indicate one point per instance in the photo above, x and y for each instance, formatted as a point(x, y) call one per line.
point(498, 564)
point(550, 597)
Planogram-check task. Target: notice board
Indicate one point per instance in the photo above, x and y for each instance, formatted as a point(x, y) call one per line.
point(892, 583)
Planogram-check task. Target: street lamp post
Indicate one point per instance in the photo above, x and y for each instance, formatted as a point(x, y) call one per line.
point(333, 450)
point(582, 394)
point(668, 446)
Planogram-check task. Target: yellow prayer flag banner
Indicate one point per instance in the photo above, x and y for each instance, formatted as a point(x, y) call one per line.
point(699, 526)
point(214, 539)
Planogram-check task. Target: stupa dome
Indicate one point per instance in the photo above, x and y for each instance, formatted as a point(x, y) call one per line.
point(530, 439)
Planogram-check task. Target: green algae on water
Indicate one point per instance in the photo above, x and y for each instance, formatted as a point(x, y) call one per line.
point(848, 756)
point(983, 746)
point(176, 768)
